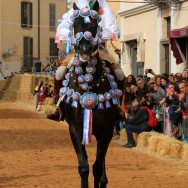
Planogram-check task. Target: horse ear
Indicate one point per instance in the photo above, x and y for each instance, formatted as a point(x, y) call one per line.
point(96, 6)
point(75, 6)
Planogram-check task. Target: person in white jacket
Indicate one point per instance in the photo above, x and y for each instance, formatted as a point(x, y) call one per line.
point(108, 22)
point(110, 31)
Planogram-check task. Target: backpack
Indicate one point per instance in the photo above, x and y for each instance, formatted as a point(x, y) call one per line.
point(152, 121)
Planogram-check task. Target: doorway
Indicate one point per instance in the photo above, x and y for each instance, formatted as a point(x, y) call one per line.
point(133, 56)
point(165, 58)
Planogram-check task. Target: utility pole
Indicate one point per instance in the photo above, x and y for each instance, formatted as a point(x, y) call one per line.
point(38, 29)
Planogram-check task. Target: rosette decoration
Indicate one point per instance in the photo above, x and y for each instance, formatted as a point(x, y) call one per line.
point(78, 70)
point(84, 86)
point(90, 69)
point(93, 61)
point(88, 102)
point(75, 98)
point(69, 95)
point(76, 62)
point(119, 93)
point(88, 78)
point(107, 97)
point(81, 79)
point(114, 98)
point(101, 99)
point(62, 94)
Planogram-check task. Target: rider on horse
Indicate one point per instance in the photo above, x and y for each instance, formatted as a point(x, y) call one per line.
point(110, 31)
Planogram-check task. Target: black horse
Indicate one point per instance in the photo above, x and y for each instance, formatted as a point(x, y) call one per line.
point(103, 120)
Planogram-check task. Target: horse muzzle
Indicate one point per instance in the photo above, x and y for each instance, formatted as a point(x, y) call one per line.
point(84, 58)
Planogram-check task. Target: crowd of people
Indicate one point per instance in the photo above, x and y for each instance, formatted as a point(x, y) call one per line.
point(51, 67)
point(166, 95)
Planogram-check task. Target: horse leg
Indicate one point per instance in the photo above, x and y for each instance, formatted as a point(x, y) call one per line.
point(99, 171)
point(83, 167)
point(103, 179)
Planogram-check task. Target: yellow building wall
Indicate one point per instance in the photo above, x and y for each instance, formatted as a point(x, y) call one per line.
point(182, 18)
point(145, 23)
point(115, 7)
point(12, 34)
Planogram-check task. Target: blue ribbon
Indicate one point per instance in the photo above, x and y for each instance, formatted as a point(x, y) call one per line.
point(68, 47)
point(100, 106)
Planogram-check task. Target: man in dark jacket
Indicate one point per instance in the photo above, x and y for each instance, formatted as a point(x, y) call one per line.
point(137, 122)
point(143, 89)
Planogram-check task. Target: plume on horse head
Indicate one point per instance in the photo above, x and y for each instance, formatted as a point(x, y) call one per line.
point(86, 30)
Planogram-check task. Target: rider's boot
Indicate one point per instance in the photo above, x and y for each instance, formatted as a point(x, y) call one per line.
point(56, 115)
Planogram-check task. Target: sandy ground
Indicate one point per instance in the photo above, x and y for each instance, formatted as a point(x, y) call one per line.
point(36, 152)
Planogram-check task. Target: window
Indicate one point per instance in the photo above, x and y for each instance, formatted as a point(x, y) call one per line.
point(52, 17)
point(26, 14)
point(168, 25)
point(28, 53)
point(53, 47)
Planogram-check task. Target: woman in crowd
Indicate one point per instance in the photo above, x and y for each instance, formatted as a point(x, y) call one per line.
point(157, 93)
point(164, 82)
point(130, 80)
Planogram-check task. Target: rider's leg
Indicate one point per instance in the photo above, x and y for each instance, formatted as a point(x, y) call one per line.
point(58, 115)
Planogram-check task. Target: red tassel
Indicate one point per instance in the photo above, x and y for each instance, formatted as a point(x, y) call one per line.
point(90, 126)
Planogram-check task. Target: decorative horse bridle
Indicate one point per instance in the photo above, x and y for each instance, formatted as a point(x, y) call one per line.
point(87, 35)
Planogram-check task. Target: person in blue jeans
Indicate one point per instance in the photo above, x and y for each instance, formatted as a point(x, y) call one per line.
point(137, 122)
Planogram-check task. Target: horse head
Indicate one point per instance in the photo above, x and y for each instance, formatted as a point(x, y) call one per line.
point(86, 31)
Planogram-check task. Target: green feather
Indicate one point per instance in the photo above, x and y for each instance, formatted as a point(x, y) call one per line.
point(91, 5)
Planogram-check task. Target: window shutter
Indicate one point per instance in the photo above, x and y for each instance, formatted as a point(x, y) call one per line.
point(22, 14)
point(31, 15)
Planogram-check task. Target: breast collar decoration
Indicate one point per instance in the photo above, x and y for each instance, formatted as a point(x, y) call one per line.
point(88, 100)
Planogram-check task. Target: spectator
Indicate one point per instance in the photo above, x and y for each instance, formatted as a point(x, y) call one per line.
point(157, 93)
point(143, 89)
point(127, 94)
point(158, 80)
point(134, 93)
point(175, 117)
point(37, 91)
point(136, 122)
point(183, 97)
point(130, 80)
point(164, 82)
point(158, 96)
point(171, 77)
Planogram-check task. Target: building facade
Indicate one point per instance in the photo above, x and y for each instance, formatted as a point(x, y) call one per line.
point(145, 30)
point(27, 32)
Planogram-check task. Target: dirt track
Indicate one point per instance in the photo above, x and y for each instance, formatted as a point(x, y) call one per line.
point(36, 152)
